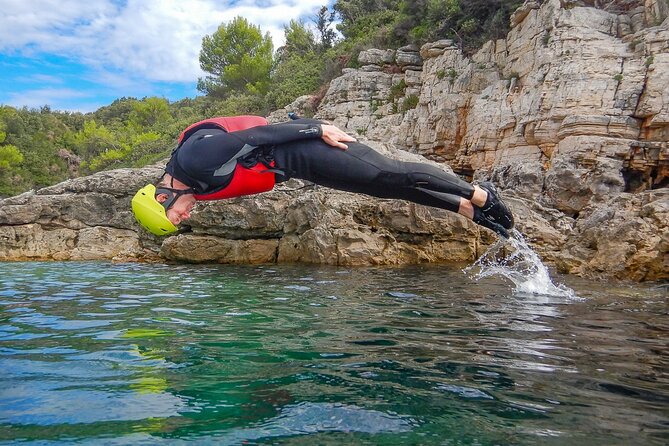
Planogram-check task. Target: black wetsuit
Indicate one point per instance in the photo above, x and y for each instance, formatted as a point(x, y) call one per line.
point(202, 162)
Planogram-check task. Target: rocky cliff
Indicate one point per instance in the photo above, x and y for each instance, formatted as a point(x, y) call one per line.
point(569, 115)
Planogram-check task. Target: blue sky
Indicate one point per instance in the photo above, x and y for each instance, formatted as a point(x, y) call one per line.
point(78, 55)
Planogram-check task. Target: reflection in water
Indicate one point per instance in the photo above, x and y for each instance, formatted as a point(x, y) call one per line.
point(115, 354)
point(311, 418)
point(55, 404)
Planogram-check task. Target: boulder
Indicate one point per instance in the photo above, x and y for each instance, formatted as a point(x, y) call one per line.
point(376, 57)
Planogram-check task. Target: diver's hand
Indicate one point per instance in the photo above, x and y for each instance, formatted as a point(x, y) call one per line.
point(335, 137)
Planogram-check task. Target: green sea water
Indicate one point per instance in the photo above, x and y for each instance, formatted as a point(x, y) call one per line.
point(101, 353)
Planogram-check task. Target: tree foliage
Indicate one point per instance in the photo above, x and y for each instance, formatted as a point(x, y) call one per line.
point(299, 65)
point(299, 40)
point(324, 27)
point(238, 59)
point(297, 75)
point(41, 147)
point(397, 22)
point(10, 156)
point(149, 112)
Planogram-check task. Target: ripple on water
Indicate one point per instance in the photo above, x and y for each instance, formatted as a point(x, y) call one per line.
point(297, 287)
point(414, 355)
point(464, 392)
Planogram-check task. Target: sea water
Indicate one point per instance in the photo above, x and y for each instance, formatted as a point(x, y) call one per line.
point(100, 353)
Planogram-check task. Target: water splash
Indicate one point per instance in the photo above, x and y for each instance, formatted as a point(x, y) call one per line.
point(516, 261)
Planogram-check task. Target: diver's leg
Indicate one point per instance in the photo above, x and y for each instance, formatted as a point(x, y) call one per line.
point(363, 170)
point(479, 203)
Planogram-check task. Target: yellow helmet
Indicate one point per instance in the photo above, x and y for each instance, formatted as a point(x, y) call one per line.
point(150, 213)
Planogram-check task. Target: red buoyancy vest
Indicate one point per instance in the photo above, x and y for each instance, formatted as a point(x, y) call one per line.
point(245, 180)
point(231, 124)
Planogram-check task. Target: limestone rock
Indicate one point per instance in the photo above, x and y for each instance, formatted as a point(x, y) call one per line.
point(584, 169)
point(376, 57)
point(36, 242)
point(304, 106)
point(569, 111)
point(408, 58)
point(519, 15)
point(434, 49)
point(626, 237)
point(211, 249)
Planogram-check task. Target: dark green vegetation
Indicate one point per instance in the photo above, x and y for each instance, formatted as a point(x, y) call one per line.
point(42, 147)
point(244, 75)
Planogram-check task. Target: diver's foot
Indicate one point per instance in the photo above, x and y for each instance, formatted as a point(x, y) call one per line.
point(481, 219)
point(494, 209)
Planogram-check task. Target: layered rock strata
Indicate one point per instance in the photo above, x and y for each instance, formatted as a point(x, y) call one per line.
point(568, 115)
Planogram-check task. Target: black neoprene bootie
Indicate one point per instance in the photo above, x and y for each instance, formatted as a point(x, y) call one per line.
point(494, 208)
point(481, 219)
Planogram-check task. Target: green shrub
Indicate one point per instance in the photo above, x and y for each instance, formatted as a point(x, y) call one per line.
point(452, 75)
point(410, 103)
point(397, 90)
point(294, 77)
point(546, 38)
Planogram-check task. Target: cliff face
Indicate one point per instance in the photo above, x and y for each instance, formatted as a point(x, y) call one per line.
point(569, 115)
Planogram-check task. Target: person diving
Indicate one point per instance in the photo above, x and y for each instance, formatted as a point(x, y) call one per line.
point(227, 157)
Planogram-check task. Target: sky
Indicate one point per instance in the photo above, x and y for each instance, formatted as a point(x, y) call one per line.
point(78, 55)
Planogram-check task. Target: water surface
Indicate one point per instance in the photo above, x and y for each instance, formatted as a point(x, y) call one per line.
point(101, 353)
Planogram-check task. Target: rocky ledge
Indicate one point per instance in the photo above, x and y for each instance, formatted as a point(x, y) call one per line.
point(90, 218)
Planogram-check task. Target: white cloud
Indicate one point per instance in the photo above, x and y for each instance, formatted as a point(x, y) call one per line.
point(44, 79)
point(39, 97)
point(158, 40)
point(43, 21)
